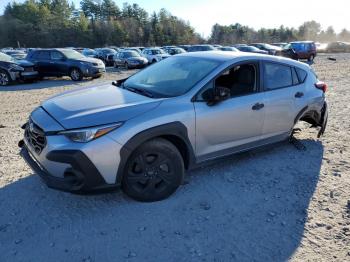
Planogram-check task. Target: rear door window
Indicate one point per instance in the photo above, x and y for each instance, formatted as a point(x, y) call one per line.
point(277, 76)
point(43, 55)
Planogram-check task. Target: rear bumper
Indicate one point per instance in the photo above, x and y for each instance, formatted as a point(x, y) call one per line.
point(81, 177)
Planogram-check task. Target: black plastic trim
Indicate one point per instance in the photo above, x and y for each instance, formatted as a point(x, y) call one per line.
point(176, 129)
point(87, 177)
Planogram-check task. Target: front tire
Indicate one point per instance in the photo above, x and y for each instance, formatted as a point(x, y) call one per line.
point(154, 171)
point(4, 78)
point(76, 74)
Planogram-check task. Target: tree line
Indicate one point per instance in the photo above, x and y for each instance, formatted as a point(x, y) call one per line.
point(310, 30)
point(58, 23)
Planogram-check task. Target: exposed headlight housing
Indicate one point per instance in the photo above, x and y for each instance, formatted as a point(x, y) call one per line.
point(88, 134)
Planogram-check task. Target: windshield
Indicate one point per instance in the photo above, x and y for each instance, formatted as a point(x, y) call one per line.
point(173, 76)
point(131, 54)
point(72, 54)
point(5, 58)
point(89, 52)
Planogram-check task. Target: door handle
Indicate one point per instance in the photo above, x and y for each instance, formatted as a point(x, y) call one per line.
point(258, 106)
point(299, 94)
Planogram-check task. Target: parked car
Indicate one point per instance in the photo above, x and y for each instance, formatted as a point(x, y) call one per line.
point(199, 48)
point(154, 55)
point(282, 44)
point(89, 53)
point(19, 55)
point(143, 132)
point(138, 50)
point(66, 62)
point(175, 50)
point(12, 70)
point(129, 59)
point(300, 50)
point(338, 47)
point(106, 55)
point(228, 48)
point(251, 49)
point(184, 47)
point(272, 50)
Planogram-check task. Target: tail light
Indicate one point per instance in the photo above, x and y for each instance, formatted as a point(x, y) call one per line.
point(322, 86)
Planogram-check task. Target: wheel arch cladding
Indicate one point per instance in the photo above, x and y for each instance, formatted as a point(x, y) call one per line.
point(175, 132)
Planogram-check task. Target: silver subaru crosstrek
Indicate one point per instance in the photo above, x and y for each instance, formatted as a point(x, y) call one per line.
point(143, 132)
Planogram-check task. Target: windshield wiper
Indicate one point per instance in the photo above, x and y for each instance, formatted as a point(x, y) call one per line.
point(140, 91)
point(137, 90)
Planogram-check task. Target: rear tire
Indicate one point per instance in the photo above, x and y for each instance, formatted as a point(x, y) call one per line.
point(153, 171)
point(76, 74)
point(311, 58)
point(5, 78)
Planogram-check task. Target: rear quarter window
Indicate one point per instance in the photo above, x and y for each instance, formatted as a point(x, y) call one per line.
point(302, 74)
point(277, 76)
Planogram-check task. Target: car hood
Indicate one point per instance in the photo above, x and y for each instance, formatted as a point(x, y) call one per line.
point(95, 106)
point(89, 59)
point(23, 63)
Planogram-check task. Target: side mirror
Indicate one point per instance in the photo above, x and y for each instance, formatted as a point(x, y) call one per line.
point(215, 95)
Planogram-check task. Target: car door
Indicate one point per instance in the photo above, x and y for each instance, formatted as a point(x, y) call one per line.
point(58, 64)
point(282, 92)
point(233, 124)
point(42, 61)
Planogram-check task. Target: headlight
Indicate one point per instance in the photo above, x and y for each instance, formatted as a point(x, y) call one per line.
point(86, 63)
point(16, 68)
point(89, 134)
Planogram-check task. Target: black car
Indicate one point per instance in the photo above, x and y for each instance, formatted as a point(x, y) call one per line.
point(174, 50)
point(66, 62)
point(251, 49)
point(272, 50)
point(13, 70)
point(129, 59)
point(198, 48)
point(106, 55)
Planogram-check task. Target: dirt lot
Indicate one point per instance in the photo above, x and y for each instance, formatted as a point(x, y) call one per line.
point(269, 205)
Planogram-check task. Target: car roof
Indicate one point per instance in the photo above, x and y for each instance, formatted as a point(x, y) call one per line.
point(224, 56)
point(302, 42)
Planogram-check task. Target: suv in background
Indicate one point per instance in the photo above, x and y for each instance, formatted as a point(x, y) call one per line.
point(272, 50)
point(199, 48)
point(12, 70)
point(154, 55)
point(106, 55)
point(300, 50)
point(66, 62)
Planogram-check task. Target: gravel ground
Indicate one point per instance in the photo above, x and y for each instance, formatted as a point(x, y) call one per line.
point(273, 204)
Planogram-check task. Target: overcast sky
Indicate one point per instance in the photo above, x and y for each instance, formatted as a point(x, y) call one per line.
point(202, 14)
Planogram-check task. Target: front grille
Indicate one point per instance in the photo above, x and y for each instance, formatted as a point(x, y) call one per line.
point(28, 69)
point(35, 136)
